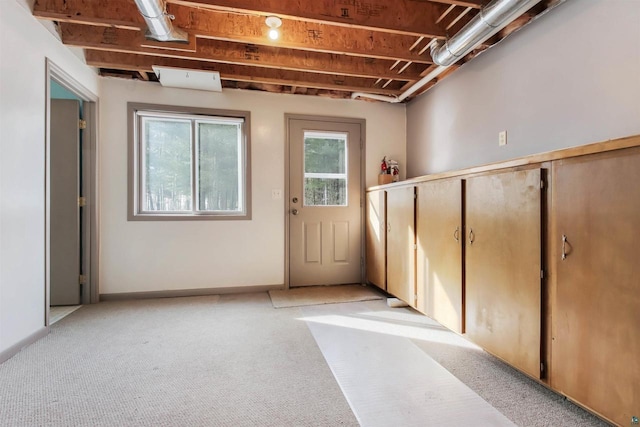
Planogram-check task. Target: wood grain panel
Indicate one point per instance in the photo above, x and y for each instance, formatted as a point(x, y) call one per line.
point(503, 264)
point(596, 329)
point(439, 252)
point(376, 243)
point(400, 244)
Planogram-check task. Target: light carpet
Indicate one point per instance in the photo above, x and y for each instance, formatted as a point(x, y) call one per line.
point(202, 361)
point(316, 295)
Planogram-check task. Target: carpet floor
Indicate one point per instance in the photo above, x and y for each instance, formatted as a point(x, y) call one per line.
point(234, 360)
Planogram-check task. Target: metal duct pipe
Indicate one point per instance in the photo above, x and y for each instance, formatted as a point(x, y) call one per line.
point(491, 19)
point(159, 22)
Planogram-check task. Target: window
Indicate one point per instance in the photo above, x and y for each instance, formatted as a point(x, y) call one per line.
point(188, 163)
point(325, 168)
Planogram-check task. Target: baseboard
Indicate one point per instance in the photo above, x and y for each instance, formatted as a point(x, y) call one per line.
point(15, 349)
point(188, 292)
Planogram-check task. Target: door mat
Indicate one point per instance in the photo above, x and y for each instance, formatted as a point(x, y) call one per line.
point(316, 295)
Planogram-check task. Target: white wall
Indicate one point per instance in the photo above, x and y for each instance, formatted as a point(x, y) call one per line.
point(152, 256)
point(24, 44)
point(570, 78)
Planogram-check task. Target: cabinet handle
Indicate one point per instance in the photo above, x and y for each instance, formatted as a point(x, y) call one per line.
point(564, 247)
point(388, 227)
point(456, 234)
point(472, 236)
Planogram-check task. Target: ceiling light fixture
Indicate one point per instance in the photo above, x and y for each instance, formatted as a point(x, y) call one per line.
point(273, 22)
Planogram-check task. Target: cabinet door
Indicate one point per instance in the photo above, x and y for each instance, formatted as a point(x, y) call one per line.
point(376, 238)
point(503, 264)
point(400, 243)
point(439, 251)
point(596, 318)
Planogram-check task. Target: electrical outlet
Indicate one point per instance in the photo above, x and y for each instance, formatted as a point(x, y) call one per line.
point(502, 138)
point(276, 194)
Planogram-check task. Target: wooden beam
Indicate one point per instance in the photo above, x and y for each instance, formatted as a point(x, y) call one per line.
point(119, 13)
point(127, 41)
point(476, 4)
point(123, 61)
point(206, 23)
point(400, 16)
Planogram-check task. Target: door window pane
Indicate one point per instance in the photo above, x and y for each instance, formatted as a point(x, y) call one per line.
point(219, 167)
point(167, 165)
point(325, 166)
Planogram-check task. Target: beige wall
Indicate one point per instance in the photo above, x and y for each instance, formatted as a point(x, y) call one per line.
point(24, 45)
point(152, 256)
point(570, 78)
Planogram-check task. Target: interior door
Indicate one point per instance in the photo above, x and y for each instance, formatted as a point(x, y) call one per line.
point(325, 204)
point(439, 239)
point(64, 213)
point(503, 264)
point(596, 328)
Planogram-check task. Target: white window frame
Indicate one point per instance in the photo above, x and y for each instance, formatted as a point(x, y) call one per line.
point(196, 116)
point(327, 135)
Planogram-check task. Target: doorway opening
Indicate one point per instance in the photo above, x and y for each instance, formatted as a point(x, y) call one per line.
point(71, 240)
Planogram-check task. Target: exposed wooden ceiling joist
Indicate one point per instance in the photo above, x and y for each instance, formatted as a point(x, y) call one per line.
point(326, 47)
point(124, 61)
point(128, 41)
point(206, 23)
point(401, 17)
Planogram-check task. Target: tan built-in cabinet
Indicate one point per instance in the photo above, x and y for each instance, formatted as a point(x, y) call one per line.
point(503, 264)
point(595, 243)
point(439, 237)
point(401, 243)
point(376, 238)
point(534, 275)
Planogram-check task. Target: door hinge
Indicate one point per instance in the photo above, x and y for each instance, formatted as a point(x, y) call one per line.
point(415, 247)
point(542, 274)
point(541, 367)
point(82, 279)
point(82, 202)
point(82, 124)
point(542, 184)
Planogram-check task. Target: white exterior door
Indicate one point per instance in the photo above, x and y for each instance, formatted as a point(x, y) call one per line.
point(325, 192)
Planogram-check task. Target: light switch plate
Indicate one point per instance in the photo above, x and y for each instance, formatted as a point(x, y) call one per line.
point(276, 194)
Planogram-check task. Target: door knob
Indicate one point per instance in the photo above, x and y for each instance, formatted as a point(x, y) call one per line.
point(294, 200)
point(294, 211)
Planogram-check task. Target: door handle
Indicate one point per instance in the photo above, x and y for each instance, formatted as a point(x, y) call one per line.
point(456, 234)
point(294, 211)
point(472, 236)
point(564, 247)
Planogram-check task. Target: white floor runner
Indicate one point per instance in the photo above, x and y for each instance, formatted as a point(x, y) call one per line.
point(396, 384)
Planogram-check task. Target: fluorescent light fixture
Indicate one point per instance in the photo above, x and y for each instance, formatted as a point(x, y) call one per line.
point(188, 79)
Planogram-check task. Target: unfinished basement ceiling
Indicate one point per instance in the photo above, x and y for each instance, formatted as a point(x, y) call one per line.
point(326, 47)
